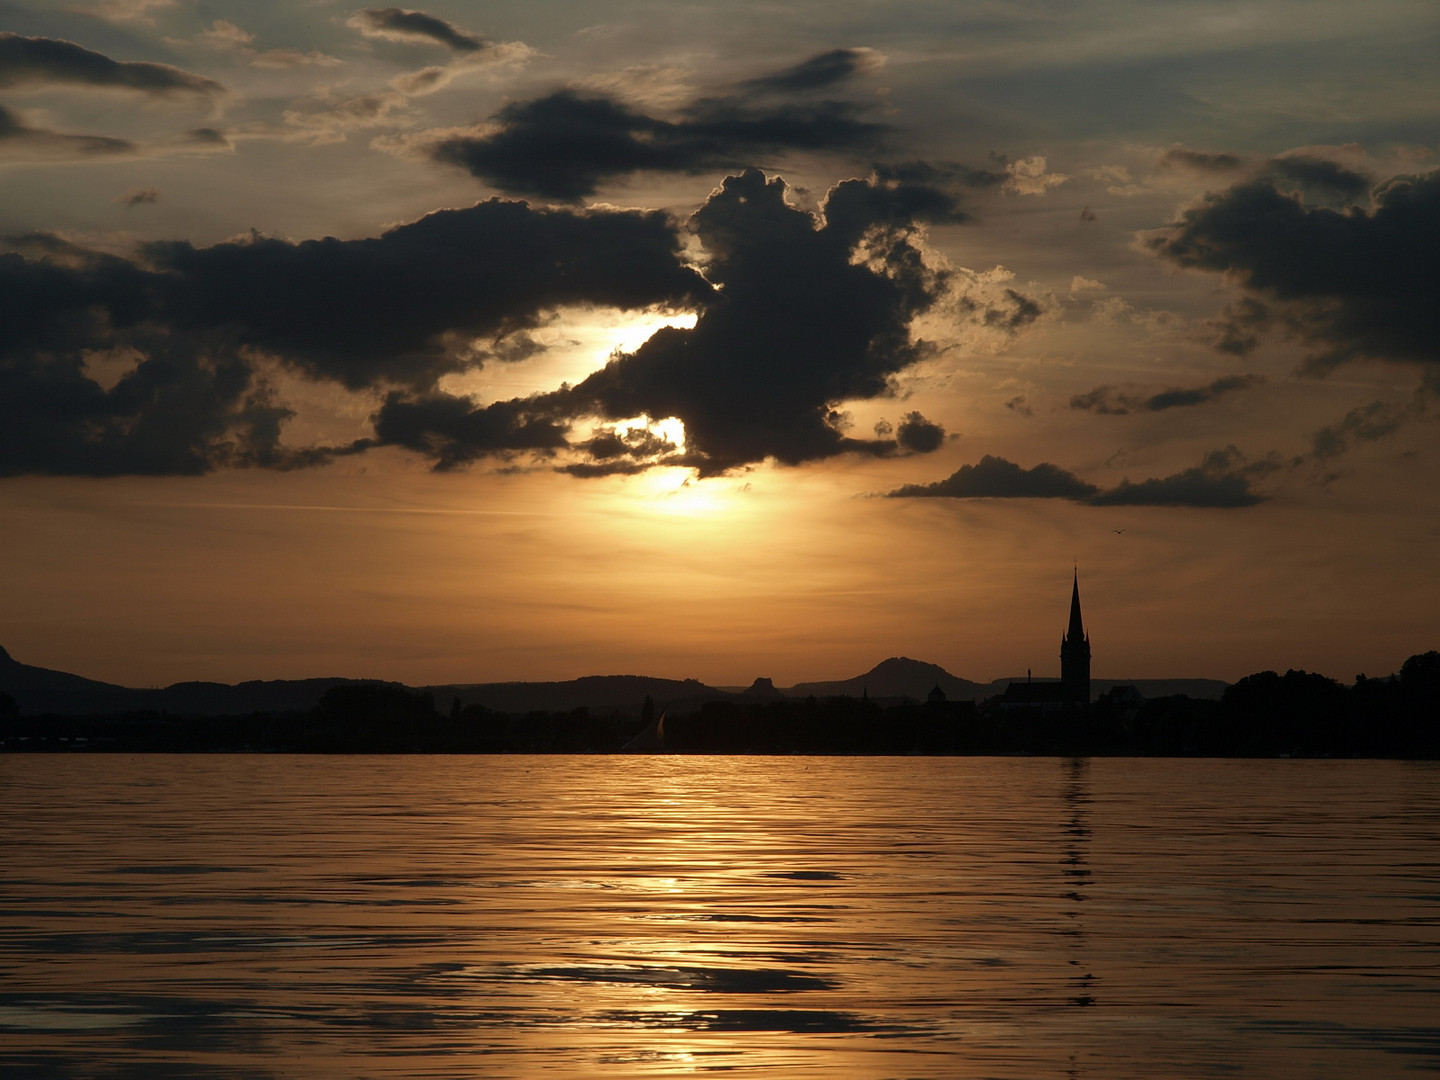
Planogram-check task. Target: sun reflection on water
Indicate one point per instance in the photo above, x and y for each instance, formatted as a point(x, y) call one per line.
point(408, 918)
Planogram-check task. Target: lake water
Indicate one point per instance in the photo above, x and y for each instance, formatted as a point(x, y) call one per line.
point(558, 917)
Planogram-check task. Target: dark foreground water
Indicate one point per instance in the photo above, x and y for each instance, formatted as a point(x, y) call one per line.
point(558, 917)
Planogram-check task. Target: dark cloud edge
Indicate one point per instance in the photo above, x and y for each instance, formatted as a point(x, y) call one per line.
point(568, 143)
point(1220, 481)
point(795, 327)
point(26, 60)
point(204, 322)
point(1333, 257)
point(15, 132)
point(415, 28)
point(1114, 401)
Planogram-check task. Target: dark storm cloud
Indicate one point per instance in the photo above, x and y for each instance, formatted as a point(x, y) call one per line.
point(400, 24)
point(1015, 313)
point(517, 348)
point(1199, 395)
point(175, 413)
point(798, 325)
point(623, 453)
point(1108, 401)
point(1221, 481)
point(818, 72)
point(946, 175)
point(995, 478)
point(566, 144)
point(1105, 400)
point(185, 329)
point(636, 442)
point(451, 431)
point(592, 470)
point(1365, 423)
point(919, 435)
point(391, 308)
point(1353, 283)
point(1193, 487)
point(1238, 327)
point(207, 136)
point(804, 313)
point(903, 192)
point(177, 409)
point(1319, 176)
point(30, 60)
point(66, 302)
point(1201, 162)
point(17, 135)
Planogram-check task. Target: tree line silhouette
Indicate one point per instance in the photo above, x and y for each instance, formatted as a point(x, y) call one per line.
point(1299, 714)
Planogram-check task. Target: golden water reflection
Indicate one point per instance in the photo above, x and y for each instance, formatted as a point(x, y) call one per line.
point(412, 917)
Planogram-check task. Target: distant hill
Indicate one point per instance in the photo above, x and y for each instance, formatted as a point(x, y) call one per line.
point(895, 678)
point(223, 699)
point(38, 690)
point(902, 677)
point(41, 690)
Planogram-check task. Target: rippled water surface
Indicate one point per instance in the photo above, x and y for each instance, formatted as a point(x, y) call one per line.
point(557, 917)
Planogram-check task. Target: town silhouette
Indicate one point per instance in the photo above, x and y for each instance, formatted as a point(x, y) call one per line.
point(886, 711)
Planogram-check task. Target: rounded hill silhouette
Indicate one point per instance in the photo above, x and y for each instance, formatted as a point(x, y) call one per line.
point(896, 677)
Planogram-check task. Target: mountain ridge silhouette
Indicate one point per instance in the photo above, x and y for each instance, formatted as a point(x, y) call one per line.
point(38, 690)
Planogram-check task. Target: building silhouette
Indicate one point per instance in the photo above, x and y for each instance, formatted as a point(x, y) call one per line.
point(1075, 653)
point(1074, 685)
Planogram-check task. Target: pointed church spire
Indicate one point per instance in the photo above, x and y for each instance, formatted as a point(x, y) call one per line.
point(1077, 627)
point(1075, 652)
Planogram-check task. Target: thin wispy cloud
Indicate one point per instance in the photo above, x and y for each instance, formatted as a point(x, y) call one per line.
point(39, 61)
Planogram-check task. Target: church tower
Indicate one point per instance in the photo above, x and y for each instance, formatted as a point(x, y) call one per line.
point(1075, 654)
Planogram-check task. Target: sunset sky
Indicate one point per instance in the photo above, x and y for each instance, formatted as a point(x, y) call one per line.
point(530, 340)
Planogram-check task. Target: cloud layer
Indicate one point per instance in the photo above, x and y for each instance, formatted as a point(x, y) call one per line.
point(797, 315)
point(401, 308)
point(1353, 282)
point(192, 330)
point(414, 27)
point(1111, 401)
point(41, 61)
point(806, 316)
point(1222, 480)
point(566, 144)
point(996, 478)
point(18, 137)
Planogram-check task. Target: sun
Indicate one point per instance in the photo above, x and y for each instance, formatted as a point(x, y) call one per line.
point(677, 492)
point(565, 349)
point(629, 331)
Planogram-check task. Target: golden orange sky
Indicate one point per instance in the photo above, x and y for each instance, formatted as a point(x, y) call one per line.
point(1130, 289)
